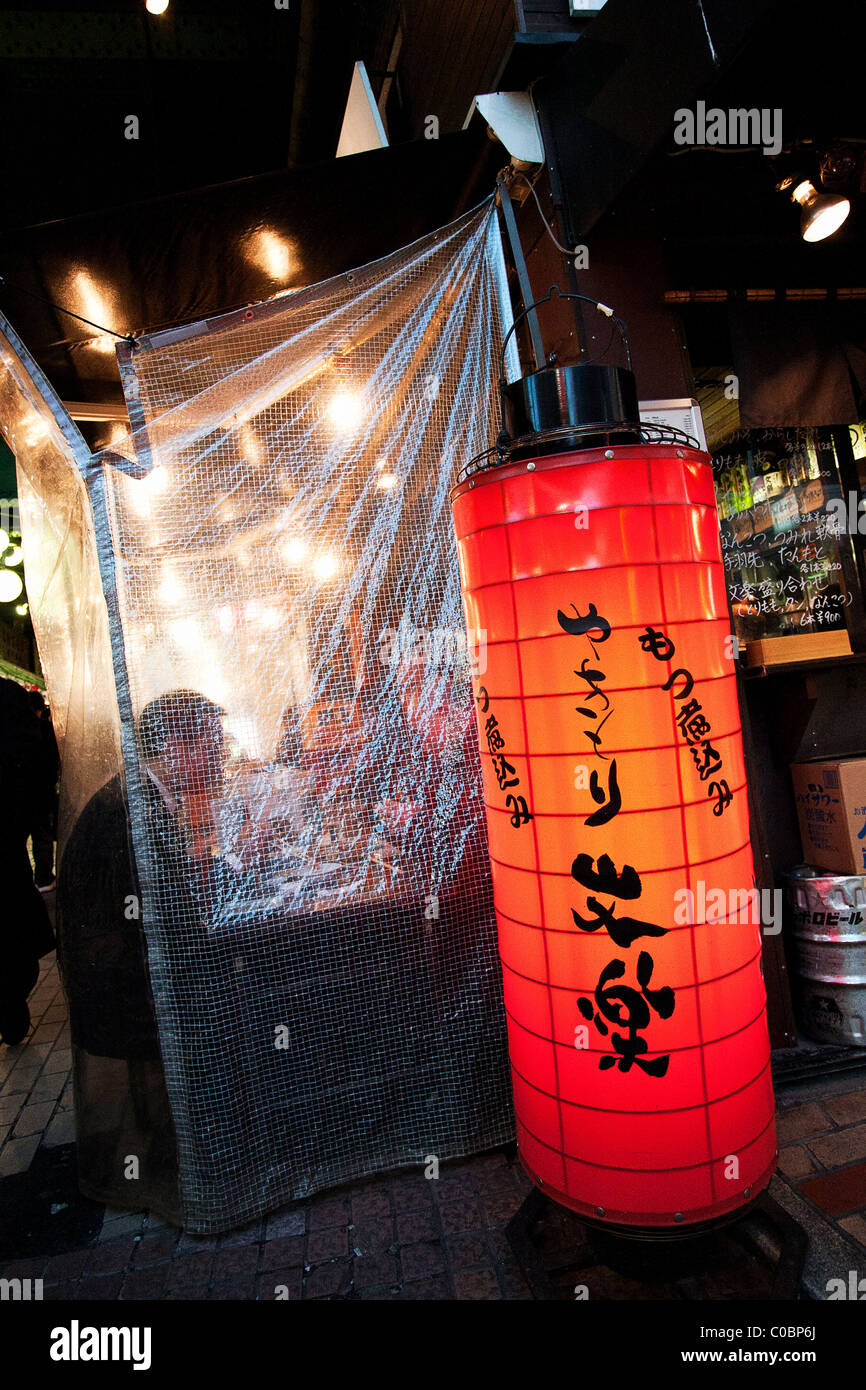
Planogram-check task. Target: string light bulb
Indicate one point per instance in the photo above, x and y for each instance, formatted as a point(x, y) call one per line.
point(144, 490)
point(345, 410)
point(293, 552)
point(325, 566)
point(171, 590)
point(11, 586)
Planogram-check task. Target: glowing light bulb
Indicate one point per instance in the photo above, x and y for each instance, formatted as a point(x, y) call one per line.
point(826, 220)
point(11, 586)
point(156, 6)
point(170, 590)
point(15, 556)
point(386, 481)
point(216, 689)
point(250, 446)
point(187, 633)
point(4, 540)
point(270, 618)
point(822, 215)
point(144, 490)
point(345, 410)
point(325, 566)
point(22, 609)
point(293, 552)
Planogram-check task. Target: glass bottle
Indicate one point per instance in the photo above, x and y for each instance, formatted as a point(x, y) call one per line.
point(742, 487)
point(771, 467)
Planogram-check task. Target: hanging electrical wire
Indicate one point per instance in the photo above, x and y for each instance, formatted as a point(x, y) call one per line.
point(19, 289)
point(518, 174)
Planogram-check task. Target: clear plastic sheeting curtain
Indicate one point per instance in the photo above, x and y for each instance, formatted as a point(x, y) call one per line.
point(121, 1107)
point(293, 678)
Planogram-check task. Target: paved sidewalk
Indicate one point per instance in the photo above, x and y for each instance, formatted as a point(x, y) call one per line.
point(822, 1150)
point(392, 1237)
point(35, 1079)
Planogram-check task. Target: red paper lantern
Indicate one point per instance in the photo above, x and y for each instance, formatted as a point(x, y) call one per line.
point(618, 832)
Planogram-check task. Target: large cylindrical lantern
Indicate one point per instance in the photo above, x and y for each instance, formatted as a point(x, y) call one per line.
point(618, 831)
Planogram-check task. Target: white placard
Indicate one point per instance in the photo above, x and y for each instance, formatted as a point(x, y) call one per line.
point(682, 415)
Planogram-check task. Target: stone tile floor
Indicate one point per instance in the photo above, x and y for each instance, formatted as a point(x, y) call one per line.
point(392, 1237)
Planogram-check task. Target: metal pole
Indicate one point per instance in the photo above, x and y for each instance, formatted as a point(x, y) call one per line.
point(522, 273)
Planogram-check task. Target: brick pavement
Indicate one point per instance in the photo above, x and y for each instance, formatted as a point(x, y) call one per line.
point(822, 1151)
point(393, 1237)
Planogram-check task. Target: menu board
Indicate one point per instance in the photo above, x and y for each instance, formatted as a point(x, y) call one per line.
point(784, 533)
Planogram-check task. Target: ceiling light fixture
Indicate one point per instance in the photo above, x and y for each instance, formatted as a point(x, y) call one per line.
point(821, 214)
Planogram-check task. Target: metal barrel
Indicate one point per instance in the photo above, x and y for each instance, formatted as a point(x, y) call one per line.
point(829, 921)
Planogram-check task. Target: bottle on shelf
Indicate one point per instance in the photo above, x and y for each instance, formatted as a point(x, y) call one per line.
point(757, 486)
point(720, 483)
point(741, 488)
point(771, 468)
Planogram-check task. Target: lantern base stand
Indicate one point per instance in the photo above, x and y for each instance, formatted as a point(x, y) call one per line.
point(763, 1228)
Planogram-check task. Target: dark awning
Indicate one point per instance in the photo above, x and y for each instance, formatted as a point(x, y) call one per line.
point(175, 260)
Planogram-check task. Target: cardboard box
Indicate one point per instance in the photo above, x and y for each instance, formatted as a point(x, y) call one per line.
point(831, 806)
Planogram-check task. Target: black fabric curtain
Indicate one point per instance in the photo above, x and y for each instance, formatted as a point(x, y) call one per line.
point(799, 364)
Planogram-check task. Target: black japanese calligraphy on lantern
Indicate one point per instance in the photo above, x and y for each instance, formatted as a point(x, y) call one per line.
point(623, 931)
point(581, 624)
point(615, 1002)
point(661, 646)
point(691, 720)
point(630, 1008)
point(608, 798)
point(504, 771)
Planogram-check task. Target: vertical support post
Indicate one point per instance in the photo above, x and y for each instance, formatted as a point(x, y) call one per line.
point(522, 273)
